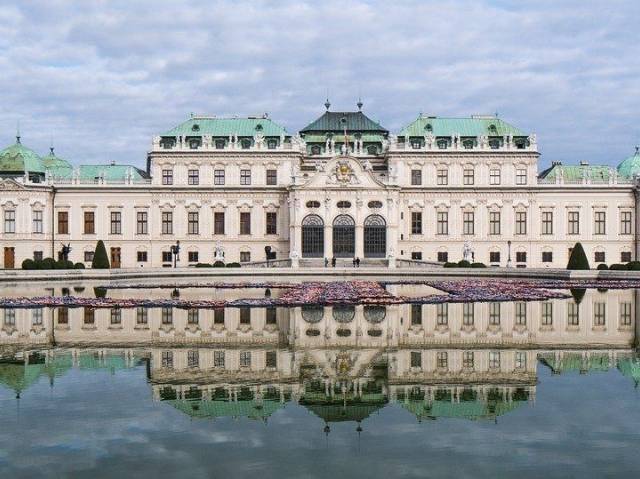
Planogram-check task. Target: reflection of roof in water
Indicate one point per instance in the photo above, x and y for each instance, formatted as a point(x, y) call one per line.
point(475, 409)
point(209, 409)
point(576, 362)
point(343, 407)
point(630, 367)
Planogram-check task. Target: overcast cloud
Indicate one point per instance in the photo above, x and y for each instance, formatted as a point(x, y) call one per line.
point(101, 78)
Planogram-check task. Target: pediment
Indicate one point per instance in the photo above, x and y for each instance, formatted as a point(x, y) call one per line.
point(9, 184)
point(342, 172)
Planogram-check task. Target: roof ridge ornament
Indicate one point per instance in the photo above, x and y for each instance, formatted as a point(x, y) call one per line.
point(18, 133)
point(327, 104)
point(637, 150)
point(359, 104)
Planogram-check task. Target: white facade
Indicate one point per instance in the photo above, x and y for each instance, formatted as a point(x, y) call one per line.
point(426, 202)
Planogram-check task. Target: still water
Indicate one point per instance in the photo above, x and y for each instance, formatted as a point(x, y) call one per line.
point(484, 390)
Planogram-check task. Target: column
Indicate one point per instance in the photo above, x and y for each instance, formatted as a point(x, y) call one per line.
point(359, 240)
point(328, 241)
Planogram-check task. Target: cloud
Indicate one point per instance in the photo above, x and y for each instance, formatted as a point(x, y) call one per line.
point(102, 78)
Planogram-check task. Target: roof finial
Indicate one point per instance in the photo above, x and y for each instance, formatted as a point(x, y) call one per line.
point(51, 147)
point(327, 103)
point(18, 132)
point(637, 150)
point(359, 104)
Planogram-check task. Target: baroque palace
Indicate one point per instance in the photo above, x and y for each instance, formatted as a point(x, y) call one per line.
point(343, 187)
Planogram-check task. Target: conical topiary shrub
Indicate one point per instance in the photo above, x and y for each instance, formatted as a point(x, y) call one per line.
point(100, 258)
point(578, 258)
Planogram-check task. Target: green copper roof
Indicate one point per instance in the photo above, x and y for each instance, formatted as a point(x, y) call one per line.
point(630, 367)
point(464, 409)
point(339, 138)
point(631, 166)
point(91, 172)
point(577, 172)
point(53, 161)
point(210, 409)
point(576, 362)
point(460, 126)
point(197, 126)
point(335, 121)
point(18, 159)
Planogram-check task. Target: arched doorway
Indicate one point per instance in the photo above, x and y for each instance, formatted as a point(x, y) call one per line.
point(375, 237)
point(344, 237)
point(312, 237)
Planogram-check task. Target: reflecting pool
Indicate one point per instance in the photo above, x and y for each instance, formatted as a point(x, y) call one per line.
point(540, 388)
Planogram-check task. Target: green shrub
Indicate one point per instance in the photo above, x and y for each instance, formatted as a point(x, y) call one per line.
point(62, 264)
point(578, 259)
point(28, 264)
point(450, 265)
point(478, 265)
point(203, 265)
point(463, 263)
point(218, 264)
point(48, 263)
point(633, 265)
point(233, 265)
point(79, 266)
point(100, 257)
point(602, 266)
point(618, 267)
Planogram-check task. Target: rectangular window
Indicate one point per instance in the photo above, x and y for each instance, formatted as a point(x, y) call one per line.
point(599, 313)
point(271, 359)
point(442, 359)
point(494, 222)
point(599, 223)
point(494, 314)
point(272, 223)
point(89, 223)
point(142, 223)
point(573, 314)
point(37, 221)
point(521, 360)
point(218, 316)
point(193, 256)
point(272, 177)
point(193, 223)
point(599, 257)
point(36, 317)
point(443, 256)
point(521, 223)
point(167, 359)
point(416, 223)
point(88, 256)
point(468, 176)
point(218, 177)
point(245, 359)
point(63, 222)
point(547, 313)
point(141, 256)
point(167, 177)
point(116, 316)
point(218, 359)
point(521, 257)
point(116, 222)
point(468, 223)
point(39, 255)
point(442, 177)
point(468, 313)
point(468, 360)
point(220, 144)
point(416, 255)
point(193, 177)
point(167, 223)
point(547, 222)
point(10, 317)
point(10, 221)
point(494, 257)
point(625, 222)
point(625, 314)
point(245, 315)
point(494, 176)
point(494, 359)
point(547, 257)
point(89, 316)
point(270, 315)
point(167, 257)
point(521, 176)
point(142, 315)
point(416, 314)
point(218, 223)
point(521, 313)
point(625, 256)
point(245, 223)
point(442, 226)
point(416, 359)
point(245, 256)
point(167, 315)
point(416, 177)
point(245, 177)
point(573, 223)
point(193, 359)
point(442, 314)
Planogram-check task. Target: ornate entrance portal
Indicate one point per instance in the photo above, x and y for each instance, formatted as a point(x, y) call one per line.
point(375, 237)
point(344, 237)
point(312, 237)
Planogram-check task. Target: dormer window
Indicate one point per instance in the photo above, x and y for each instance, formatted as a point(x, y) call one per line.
point(467, 144)
point(272, 144)
point(194, 144)
point(195, 127)
point(220, 144)
point(372, 150)
point(259, 127)
point(520, 144)
point(167, 143)
point(246, 144)
point(492, 128)
point(428, 127)
point(416, 144)
point(442, 144)
point(315, 150)
point(494, 144)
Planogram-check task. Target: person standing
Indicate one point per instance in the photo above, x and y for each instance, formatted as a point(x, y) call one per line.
point(333, 262)
point(326, 262)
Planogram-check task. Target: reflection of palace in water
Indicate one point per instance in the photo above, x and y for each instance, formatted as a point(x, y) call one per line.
point(342, 363)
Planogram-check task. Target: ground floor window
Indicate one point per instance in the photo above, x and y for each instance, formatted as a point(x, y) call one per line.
point(521, 257)
point(547, 257)
point(494, 257)
point(142, 256)
point(625, 256)
point(417, 255)
point(443, 256)
point(599, 257)
point(312, 237)
point(193, 256)
point(88, 256)
point(245, 256)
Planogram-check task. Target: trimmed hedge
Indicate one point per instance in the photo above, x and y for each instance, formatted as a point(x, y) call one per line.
point(602, 267)
point(203, 265)
point(218, 264)
point(50, 263)
point(618, 267)
point(233, 265)
point(633, 265)
point(578, 259)
point(478, 265)
point(450, 265)
point(463, 263)
point(100, 257)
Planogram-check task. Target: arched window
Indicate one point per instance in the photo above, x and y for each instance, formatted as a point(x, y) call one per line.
point(374, 313)
point(375, 237)
point(312, 314)
point(312, 237)
point(344, 314)
point(344, 236)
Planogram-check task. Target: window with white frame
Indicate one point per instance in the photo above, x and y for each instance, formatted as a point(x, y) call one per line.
point(521, 223)
point(116, 223)
point(218, 177)
point(599, 313)
point(494, 314)
point(193, 223)
point(468, 176)
point(547, 257)
point(442, 359)
point(167, 176)
point(416, 177)
point(625, 314)
point(521, 176)
point(625, 222)
point(573, 222)
point(468, 360)
point(167, 359)
point(468, 223)
point(573, 314)
point(245, 359)
point(442, 226)
point(468, 314)
point(442, 314)
point(546, 313)
point(218, 359)
point(494, 222)
point(142, 222)
point(37, 221)
point(494, 359)
point(600, 223)
point(167, 223)
point(245, 177)
point(521, 360)
point(521, 313)
point(442, 176)
point(494, 176)
point(9, 221)
point(547, 222)
point(193, 177)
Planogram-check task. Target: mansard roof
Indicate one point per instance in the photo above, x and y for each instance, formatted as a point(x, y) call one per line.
point(110, 172)
point(579, 172)
point(471, 126)
point(211, 126)
point(336, 121)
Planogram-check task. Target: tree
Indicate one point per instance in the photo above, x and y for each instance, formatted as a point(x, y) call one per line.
point(578, 258)
point(100, 258)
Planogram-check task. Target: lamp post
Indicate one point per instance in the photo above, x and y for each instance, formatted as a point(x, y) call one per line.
point(509, 254)
point(175, 251)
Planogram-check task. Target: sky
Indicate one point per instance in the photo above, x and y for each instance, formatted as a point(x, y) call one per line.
point(99, 79)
